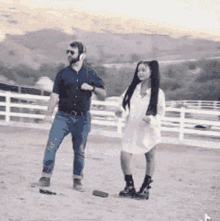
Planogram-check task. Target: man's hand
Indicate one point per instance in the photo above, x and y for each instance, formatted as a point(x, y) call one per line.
point(87, 87)
point(118, 113)
point(48, 119)
point(147, 119)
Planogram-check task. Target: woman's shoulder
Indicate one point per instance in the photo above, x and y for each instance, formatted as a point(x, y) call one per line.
point(161, 94)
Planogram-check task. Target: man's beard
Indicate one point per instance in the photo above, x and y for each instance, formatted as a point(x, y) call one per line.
point(74, 60)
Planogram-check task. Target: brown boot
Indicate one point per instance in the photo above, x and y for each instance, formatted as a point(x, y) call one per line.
point(43, 182)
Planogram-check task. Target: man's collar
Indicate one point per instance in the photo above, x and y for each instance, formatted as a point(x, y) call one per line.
point(83, 66)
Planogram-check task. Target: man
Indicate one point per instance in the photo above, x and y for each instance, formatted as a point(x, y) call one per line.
point(72, 90)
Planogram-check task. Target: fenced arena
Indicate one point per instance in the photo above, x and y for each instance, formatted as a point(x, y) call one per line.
point(186, 182)
point(185, 122)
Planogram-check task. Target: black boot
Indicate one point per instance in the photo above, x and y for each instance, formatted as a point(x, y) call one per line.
point(129, 190)
point(143, 193)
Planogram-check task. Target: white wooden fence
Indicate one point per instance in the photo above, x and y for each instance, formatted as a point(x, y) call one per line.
point(195, 104)
point(182, 121)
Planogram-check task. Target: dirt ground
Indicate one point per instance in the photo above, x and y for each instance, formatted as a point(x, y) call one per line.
point(186, 181)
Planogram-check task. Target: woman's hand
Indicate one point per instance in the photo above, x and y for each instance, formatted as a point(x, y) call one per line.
point(118, 113)
point(147, 119)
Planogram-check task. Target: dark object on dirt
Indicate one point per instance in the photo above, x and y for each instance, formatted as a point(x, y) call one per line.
point(202, 127)
point(100, 193)
point(47, 192)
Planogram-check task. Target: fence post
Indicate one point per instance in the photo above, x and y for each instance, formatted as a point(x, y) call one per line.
point(7, 106)
point(200, 104)
point(182, 116)
point(214, 105)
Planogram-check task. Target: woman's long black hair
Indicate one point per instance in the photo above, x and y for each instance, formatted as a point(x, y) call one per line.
point(154, 68)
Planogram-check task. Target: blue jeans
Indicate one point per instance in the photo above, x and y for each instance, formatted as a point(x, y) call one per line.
point(79, 127)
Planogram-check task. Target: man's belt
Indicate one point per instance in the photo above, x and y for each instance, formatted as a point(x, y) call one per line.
point(77, 113)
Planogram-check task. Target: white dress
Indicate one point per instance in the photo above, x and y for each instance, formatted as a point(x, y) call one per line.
point(139, 137)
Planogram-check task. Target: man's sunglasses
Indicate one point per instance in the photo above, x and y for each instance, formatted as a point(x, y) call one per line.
point(69, 51)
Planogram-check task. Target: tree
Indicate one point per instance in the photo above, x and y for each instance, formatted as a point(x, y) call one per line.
point(134, 58)
point(211, 70)
point(155, 51)
point(8, 73)
point(100, 49)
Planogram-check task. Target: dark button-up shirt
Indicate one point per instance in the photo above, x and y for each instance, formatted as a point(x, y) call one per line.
point(68, 85)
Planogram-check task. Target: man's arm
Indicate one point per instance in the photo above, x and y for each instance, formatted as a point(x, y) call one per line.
point(54, 97)
point(100, 93)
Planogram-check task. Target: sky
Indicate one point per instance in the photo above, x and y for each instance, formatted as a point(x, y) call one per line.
point(192, 13)
point(201, 16)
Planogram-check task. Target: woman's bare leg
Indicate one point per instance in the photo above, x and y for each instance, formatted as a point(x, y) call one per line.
point(129, 190)
point(126, 162)
point(150, 162)
point(143, 193)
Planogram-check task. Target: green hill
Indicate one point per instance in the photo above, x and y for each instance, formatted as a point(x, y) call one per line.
point(38, 49)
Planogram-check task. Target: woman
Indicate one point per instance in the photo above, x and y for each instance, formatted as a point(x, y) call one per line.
point(145, 103)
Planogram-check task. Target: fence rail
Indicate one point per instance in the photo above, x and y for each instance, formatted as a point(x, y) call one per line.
point(195, 104)
point(178, 120)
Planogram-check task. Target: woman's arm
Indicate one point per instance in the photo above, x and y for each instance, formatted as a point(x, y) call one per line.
point(161, 104)
point(120, 112)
